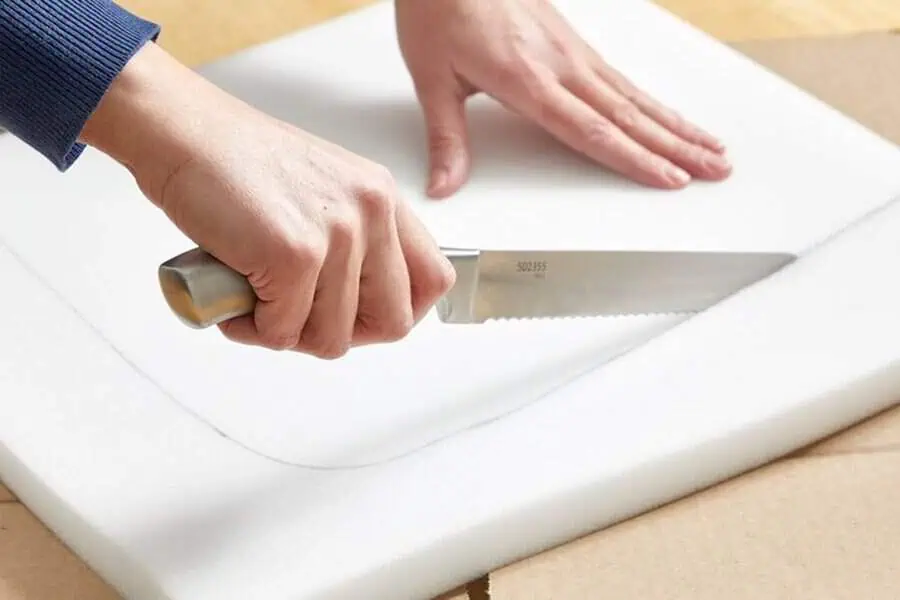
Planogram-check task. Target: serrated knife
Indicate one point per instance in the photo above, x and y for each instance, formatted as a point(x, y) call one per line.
point(513, 284)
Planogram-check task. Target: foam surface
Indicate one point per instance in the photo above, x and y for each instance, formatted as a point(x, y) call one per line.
point(109, 406)
point(792, 186)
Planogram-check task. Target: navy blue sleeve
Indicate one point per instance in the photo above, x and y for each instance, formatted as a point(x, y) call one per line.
point(57, 59)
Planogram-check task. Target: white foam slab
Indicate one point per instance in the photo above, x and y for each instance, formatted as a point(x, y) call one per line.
point(793, 185)
point(110, 426)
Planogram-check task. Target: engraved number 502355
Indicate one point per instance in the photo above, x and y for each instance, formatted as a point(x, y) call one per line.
point(531, 266)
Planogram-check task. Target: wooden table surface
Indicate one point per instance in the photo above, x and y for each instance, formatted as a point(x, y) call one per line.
point(201, 30)
point(34, 565)
point(742, 20)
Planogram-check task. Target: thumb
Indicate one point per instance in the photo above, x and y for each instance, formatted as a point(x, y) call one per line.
point(448, 143)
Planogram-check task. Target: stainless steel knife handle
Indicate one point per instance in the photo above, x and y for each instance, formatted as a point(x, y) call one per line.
point(203, 291)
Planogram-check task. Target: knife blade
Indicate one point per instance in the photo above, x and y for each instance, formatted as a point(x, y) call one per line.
point(513, 284)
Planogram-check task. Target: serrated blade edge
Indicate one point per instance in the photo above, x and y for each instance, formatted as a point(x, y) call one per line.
point(495, 285)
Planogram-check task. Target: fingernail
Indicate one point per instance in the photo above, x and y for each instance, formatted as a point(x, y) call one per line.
point(678, 176)
point(717, 163)
point(448, 266)
point(439, 179)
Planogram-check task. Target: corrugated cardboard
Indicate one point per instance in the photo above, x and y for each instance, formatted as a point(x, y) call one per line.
point(821, 525)
point(478, 589)
point(881, 434)
point(35, 566)
point(818, 528)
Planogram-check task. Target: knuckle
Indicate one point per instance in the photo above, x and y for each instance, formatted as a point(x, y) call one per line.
point(323, 342)
point(675, 119)
point(629, 91)
point(276, 340)
point(535, 86)
point(264, 280)
point(513, 66)
point(441, 142)
point(625, 115)
point(435, 282)
point(227, 329)
point(376, 197)
point(600, 133)
point(538, 95)
point(442, 281)
point(676, 123)
point(382, 174)
point(545, 107)
point(343, 231)
point(397, 327)
point(377, 204)
point(517, 70)
point(690, 154)
point(564, 51)
point(331, 351)
point(301, 253)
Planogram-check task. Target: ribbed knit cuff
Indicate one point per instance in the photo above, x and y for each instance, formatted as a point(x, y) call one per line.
point(57, 60)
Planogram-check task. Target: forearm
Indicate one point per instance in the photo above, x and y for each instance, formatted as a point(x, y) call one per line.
point(58, 58)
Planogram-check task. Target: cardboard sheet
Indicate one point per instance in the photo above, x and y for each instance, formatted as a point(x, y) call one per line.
point(878, 434)
point(34, 566)
point(814, 529)
point(459, 594)
point(207, 519)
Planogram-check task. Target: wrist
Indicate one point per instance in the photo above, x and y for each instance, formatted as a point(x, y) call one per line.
point(152, 118)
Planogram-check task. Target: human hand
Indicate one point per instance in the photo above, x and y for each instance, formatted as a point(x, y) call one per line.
point(525, 55)
point(335, 257)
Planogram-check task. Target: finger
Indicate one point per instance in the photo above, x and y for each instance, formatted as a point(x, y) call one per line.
point(430, 273)
point(698, 160)
point(448, 143)
point(284, 299)
point(329, 328)
point(576, 124)
point(664, 115)
point(385, 300)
